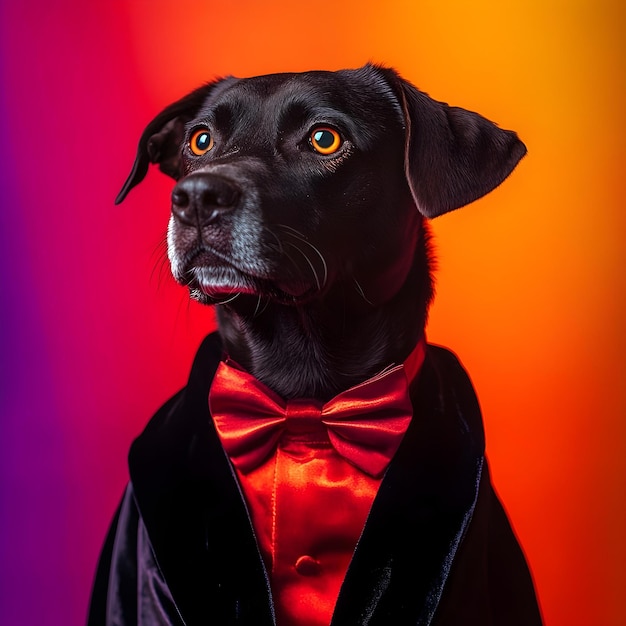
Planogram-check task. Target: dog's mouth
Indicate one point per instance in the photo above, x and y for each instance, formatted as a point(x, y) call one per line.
point(212, 279)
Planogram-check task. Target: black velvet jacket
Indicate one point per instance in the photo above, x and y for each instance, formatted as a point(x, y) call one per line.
point(437, 547)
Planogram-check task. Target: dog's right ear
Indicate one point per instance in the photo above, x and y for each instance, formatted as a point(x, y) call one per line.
point(161, 141)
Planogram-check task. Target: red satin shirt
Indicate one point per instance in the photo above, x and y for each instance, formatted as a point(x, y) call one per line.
point(308, 507)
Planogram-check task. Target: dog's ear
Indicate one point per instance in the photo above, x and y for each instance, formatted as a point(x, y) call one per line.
point(161, 141)
point(452, 156)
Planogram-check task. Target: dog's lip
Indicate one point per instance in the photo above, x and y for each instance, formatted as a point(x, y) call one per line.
point(208, 274)
point(216, 278)
point(222, 282)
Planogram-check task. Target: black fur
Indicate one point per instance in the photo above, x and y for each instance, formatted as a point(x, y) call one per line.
point(320, 263)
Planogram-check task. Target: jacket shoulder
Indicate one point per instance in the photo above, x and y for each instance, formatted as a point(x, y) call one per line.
point(454, 390)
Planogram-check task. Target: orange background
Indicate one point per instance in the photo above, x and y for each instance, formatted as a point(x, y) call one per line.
point(530, 282)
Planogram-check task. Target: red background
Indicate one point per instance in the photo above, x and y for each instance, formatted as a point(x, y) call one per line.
point(95, 334)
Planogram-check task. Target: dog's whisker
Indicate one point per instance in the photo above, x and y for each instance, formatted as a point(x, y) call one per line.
point(160, 248)
point(293, 230)
point(228, 299)
point(186, 277)
point(279, 243)
point(293, 261)
point(300, 237)
point(260, 310)
point(322, 259)
point(306, 258)
point(164, 269)
point(361, 292)
point(161, 262)
point(256, 308)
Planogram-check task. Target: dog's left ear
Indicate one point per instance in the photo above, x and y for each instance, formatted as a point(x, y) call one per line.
point(161, 141)
point(452, 156)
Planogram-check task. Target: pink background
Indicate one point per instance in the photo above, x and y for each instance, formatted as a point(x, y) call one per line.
point(95, 335)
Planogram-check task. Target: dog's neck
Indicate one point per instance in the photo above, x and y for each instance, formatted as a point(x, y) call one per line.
point(324, 347)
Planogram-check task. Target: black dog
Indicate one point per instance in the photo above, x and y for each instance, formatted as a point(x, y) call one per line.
point(300, 209)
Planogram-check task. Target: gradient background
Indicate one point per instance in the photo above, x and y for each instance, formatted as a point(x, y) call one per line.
point(95, 335)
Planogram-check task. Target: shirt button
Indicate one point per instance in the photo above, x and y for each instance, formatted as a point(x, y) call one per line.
point(307, 566)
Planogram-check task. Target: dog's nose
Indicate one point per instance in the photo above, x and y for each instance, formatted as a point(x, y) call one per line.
point(200, 199)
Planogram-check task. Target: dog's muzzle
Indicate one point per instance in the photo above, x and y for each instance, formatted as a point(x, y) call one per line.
point(219, 244)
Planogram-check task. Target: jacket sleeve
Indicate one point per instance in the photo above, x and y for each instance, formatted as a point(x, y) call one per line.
point(129, 589)
point(490, 582)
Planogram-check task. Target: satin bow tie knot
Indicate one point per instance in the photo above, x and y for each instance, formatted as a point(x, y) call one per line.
point(302, 417)
point(365, 424)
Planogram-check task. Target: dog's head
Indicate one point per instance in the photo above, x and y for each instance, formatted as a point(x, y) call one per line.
point(294, 186)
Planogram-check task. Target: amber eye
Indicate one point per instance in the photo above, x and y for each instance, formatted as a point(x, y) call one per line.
point(201, 142)
point(325, 140)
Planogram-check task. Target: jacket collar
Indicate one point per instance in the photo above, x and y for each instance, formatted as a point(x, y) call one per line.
point(192, 508)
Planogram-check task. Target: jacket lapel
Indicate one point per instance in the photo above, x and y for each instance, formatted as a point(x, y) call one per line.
point(193, 511)
point(423, 507)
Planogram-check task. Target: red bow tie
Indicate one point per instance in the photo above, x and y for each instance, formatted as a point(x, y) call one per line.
point(365, 424)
